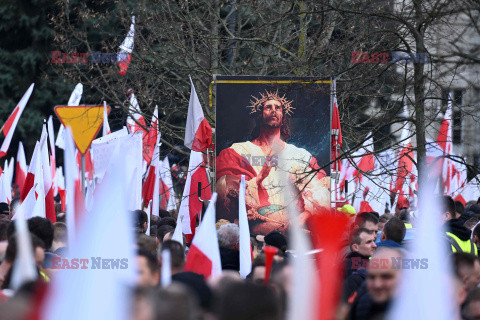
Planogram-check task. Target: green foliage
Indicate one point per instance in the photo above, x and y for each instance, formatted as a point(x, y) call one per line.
point(27, 39)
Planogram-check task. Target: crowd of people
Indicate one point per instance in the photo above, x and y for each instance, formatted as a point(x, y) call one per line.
point(374, 246)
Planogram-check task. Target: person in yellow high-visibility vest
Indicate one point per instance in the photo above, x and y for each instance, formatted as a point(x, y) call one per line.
point(457, 235)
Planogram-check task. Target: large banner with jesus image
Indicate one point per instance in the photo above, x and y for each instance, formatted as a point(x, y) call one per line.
point(267, 128)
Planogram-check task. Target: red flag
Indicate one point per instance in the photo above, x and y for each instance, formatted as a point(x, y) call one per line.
point(327, 231)
point(198, 132)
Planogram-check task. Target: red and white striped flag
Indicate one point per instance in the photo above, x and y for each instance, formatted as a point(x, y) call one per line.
point(11, 123)
point(33, 170)
point(204, 254)
point(191, 206)
point(47, 179)
point(150, 190)
point(198, 132)
point(125, 55)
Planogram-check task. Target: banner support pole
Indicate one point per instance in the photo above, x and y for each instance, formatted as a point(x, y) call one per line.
point(83, 174)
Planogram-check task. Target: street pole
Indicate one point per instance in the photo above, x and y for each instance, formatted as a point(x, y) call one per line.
point(83, 174)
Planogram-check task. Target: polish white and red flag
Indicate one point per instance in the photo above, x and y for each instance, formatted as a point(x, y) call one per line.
point(191, 206)
point(204, 254)
point(444, 140)
point(198, 132)
point(126, 48)
point(60, 186)
point(336, 131)
point(12, 121)
point(47, 178)
point(106, 125)
point(33, 173)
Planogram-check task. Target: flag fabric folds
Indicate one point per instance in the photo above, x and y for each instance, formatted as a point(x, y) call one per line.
point(12, 121)
point(198, 132)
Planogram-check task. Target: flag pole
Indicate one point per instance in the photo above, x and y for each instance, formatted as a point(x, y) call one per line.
point(83, 174)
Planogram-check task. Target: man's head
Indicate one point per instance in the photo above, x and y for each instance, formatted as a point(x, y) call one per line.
point(272, 112)
point(404, 215)
point(162, 231)
point(148, 271)
point(394, 230)
point(383, 220)
point(402, 203)
point(476, 236)
point(382, 280)
point(368, 221)
point(471, 222)
point(60, 236)
point(244, 300)
point(459, 208)
point(228, 236)
point(276, 239)
point(42, 228)
point(140, 220)
point(467, 268)
point(447, 208)
point(167, 221)
point(257, 275)
point(363, 242)
point(148, 243)
point(471, 307)
point(177, 255)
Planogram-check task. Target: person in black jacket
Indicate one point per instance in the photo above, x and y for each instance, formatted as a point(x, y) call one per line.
point(362, 245)
point(228, 241)
point(457, 235)
point(375, 295)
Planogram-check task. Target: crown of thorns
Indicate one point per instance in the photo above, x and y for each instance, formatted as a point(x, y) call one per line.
point(256, 103)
